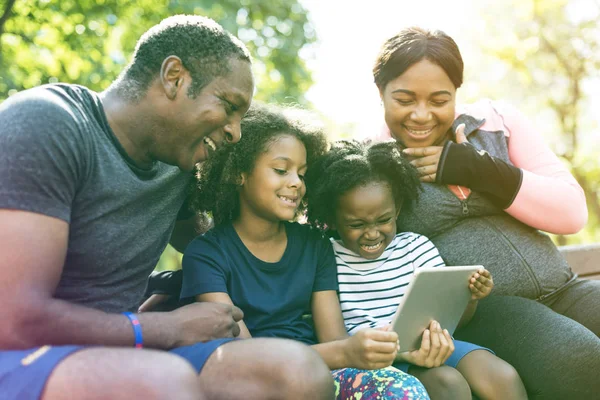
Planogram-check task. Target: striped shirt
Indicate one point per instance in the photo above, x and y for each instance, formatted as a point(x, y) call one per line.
point(371, 290)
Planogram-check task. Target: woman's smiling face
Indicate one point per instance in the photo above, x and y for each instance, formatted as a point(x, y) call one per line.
point(420, 105)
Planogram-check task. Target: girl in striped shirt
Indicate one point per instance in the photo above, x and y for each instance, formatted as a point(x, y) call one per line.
point(357, 192)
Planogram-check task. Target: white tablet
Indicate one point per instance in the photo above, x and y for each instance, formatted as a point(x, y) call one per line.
point(439, 294)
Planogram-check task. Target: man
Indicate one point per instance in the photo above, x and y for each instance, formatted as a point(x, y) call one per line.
point(90, 188)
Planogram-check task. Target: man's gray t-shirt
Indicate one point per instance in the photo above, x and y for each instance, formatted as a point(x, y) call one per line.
point(59, 157)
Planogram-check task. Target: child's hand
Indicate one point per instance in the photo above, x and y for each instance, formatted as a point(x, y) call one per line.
point(371, 349)
point(481, 284)
point(436, 346)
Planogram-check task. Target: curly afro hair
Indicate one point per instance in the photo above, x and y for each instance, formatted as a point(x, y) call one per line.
point(216, 192)
point(204, 47)
point(350, 164)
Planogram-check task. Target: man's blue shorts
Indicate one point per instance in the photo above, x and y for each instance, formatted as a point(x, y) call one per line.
point(23, 373)
point(461, 349)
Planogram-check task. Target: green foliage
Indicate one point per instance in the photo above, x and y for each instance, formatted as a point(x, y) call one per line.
point(89, 41)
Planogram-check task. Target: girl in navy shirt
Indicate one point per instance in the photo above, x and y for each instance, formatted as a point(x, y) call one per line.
point(278, 271)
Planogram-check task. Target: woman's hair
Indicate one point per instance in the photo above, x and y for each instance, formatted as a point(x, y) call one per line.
point(412, 45)
point(219, 178)
point(350, 164)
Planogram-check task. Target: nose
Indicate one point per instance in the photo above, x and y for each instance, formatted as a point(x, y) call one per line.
point(372, 233)
point(295, 180)
point(233, 132)
point(421, 113)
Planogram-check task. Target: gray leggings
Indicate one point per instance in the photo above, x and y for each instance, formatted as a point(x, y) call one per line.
point(555, 346)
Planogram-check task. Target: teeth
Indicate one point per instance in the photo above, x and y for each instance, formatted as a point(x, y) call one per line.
point(210, 142)
point(373, 247)
point(287, 199)
point(419, 133)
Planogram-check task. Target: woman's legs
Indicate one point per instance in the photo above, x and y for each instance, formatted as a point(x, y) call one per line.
point(491, 377)
point(442, 382)
point(388, 383)
point(555, 356)
point(580, 302)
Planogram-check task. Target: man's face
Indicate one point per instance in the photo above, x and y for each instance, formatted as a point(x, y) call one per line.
point(198, 126)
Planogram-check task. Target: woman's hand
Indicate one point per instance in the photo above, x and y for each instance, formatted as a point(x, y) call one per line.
point(481, 284)
point(426, 159)
point(436, 346)
point(371, 349)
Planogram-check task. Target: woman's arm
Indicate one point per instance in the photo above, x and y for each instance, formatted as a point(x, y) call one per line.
point(219, 297)
point(550, 198)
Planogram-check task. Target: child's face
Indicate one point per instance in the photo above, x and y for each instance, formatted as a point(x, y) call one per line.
point(366, 219)
point(275, 187)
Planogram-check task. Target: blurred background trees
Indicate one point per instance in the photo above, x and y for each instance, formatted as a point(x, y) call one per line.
point(550, 61)
point(89, 41)
point(541, 55)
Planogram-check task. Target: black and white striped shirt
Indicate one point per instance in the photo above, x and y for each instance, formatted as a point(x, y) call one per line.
point(371, 290)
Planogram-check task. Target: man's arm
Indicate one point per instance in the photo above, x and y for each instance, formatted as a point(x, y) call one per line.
point(33, 249)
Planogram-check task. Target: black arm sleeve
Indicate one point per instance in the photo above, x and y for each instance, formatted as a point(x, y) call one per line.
point(165, 282)
point(462, 164)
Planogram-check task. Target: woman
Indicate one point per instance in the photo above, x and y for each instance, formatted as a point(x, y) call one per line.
point(490, 185)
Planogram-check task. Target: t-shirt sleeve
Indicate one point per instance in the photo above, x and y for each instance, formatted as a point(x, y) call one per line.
point(326, 275)
point(205, 267)
point(424, 253)
point(41, 159)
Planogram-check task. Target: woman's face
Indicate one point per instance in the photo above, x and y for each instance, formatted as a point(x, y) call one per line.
point(419, 105)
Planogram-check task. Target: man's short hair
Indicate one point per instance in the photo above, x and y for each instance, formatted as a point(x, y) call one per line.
point(203, 46)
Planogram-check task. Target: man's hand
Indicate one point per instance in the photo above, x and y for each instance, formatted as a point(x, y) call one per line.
point(153, 301)
point(436, 346)
point(481, 284)
point(200, 322)
point(426, 159)
point(371, 349)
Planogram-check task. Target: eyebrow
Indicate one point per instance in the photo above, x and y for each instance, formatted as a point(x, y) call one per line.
point(413, 93)
point(352, 218)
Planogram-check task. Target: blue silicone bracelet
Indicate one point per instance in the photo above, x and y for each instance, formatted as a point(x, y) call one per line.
point(137, 329)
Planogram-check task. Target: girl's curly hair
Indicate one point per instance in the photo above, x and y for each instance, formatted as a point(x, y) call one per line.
point(218, 178)
point(350, 164)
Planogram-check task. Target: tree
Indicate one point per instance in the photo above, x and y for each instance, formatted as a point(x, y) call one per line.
point(88, 41)
point(553, 58)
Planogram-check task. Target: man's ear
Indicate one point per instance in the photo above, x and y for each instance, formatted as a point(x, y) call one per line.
point(242, 179)
point(172, 74)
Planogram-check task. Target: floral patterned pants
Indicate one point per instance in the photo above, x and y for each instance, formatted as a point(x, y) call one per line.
point(385, 384)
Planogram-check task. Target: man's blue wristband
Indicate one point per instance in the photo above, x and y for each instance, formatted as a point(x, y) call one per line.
point(137, 329)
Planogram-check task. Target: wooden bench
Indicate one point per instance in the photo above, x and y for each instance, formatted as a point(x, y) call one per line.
point(584, 259)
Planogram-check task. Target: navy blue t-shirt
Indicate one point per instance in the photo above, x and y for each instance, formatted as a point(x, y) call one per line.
point(273, 296)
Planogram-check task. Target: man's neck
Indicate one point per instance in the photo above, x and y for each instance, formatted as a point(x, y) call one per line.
point(130, 123)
